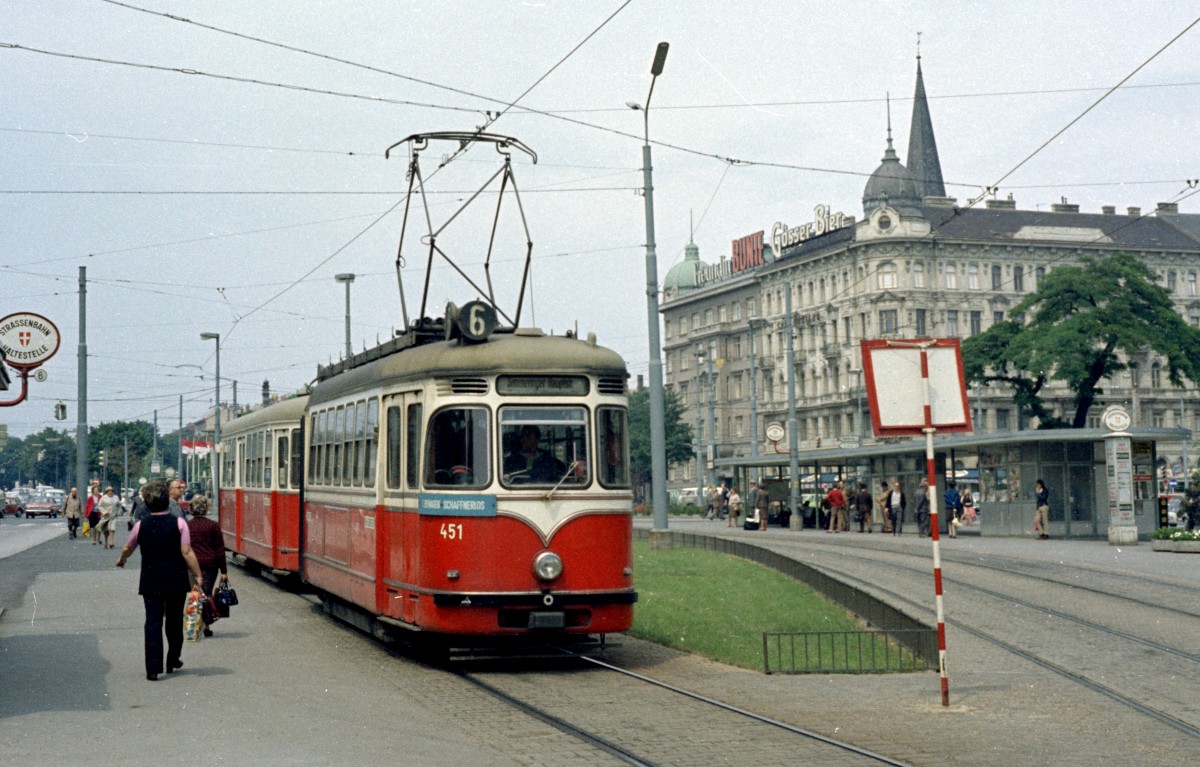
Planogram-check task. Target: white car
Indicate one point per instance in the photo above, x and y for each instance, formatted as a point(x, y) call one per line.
point(688, 496)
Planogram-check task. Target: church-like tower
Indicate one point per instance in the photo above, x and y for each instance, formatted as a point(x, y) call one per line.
point(922, 158)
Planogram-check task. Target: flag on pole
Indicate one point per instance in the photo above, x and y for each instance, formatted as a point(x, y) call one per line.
point(201, 447)
point(186, 446)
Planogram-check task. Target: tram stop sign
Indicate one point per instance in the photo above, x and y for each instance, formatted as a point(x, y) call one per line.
point(897, 373)
point(28, 340)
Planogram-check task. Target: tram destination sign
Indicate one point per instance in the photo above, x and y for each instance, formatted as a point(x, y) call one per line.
point(28, 339)
point(543, 386)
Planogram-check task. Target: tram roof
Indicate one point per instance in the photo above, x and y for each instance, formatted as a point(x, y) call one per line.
point(524, 352)
point(289, 411)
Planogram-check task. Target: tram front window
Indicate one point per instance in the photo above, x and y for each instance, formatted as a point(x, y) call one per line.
point(544, 446)
point(458, 448)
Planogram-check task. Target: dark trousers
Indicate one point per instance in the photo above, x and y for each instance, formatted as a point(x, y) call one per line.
point(163, 612)
point(72, 527)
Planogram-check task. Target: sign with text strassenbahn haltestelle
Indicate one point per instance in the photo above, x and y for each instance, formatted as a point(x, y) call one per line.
point(28, 339)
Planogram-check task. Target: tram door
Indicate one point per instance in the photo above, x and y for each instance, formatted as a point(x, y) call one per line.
point(397, 524)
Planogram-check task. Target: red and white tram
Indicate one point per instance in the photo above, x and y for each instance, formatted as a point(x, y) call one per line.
point(461, 487)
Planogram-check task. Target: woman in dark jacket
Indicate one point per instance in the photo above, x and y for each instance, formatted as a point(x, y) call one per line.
point(166, 560)
point(209, 545)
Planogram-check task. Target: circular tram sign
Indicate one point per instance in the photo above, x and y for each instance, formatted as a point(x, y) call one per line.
point(28, 339)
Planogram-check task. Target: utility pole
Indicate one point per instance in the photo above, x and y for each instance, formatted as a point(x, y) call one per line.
point(81, 428)
point(699, 436)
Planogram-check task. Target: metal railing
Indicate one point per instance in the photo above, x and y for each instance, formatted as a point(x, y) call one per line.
point(849, 652)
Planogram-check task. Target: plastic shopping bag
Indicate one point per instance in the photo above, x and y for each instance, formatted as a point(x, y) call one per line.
point(87, 529)
point(192, 626)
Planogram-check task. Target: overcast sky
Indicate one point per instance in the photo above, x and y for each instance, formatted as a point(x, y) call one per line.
point(213, 174)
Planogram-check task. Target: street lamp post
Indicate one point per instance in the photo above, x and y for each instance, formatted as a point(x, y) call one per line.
point(658, 437)
point(346, 278)
point(699, 430)
point(216, 458)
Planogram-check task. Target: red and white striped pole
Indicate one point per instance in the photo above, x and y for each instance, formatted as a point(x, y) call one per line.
point(931, 474)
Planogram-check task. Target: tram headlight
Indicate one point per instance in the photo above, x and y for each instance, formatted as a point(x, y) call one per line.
point(547, 565)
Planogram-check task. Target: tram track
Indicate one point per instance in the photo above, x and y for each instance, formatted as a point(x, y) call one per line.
point(1042, 661)
point(823, 748)
point(961, 583)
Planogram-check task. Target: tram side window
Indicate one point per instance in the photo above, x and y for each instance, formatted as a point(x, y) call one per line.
point(414, 446)
point(350, 453)
point(339, 436)
point(326, 449)
point(281, 457)
point(458, 443)
point(360, 442)
point(297, 468)
point(371, 448)
point(312, 449)
point(393, 447)
point(614, 446)
point(544, 445)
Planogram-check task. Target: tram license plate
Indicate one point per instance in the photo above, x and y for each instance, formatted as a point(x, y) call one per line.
point(547, 620)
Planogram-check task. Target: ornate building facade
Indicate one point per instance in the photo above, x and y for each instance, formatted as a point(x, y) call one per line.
point(916, 264)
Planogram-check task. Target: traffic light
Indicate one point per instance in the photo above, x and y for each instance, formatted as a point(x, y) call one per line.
point(60, 412)
point(101, 458)
point(4, 379)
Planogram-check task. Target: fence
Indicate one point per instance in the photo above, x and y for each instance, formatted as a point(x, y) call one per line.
point(871, 651)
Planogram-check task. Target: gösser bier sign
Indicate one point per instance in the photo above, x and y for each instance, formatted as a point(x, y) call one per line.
point(28, 339)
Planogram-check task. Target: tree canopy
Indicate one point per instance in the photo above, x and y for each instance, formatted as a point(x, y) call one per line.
point(1086, 324)
point(678, 433)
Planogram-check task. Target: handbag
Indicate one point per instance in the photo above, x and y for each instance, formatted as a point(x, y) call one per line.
point(226, 596)
point(208, 611)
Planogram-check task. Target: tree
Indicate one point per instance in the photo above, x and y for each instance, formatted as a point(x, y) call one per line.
point(1088, 323)
point(111, 437)
point(678, 434)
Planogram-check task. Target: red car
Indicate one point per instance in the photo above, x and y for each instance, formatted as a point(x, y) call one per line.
point(41, 506)
point(12, 505)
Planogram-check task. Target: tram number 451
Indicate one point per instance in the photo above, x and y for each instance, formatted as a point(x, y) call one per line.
point(451, 531)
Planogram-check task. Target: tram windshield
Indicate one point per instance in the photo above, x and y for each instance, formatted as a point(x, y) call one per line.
point(544, 446)
point(613, 467)
point(458, 448)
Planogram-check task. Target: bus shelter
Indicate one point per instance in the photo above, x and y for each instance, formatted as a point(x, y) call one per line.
point(999, 469)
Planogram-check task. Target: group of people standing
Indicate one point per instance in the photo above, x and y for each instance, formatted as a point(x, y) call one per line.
point(727, 503)
point(888, 508)
point(101, 513)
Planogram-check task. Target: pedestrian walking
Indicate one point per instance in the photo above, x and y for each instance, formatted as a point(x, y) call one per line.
point(93, 514)
point(895, 508)
point(175, 491)
point(921, 509)
point(953, 502)
point(1041, 517)
point(882, 506)
point(735, 507)
point(110, 508)
point(73, 511)
point(208, 543)
point(167, 558)
point(837, 509)
point(762, 506)
point(863, 504)
point(968, 506)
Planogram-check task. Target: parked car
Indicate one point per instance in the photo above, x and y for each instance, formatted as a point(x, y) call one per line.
point(41, 506)
point(13, 505)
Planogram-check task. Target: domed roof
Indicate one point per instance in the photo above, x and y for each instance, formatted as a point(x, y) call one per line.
point(891, 184)
point(683, 276)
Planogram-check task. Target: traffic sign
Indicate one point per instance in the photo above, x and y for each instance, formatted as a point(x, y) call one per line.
point(28, 340)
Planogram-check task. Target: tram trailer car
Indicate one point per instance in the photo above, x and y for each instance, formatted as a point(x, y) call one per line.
point(468, 489)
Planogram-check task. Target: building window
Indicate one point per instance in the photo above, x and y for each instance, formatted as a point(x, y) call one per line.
point(997, 318)
point(1171, 281)
point(887, 276)
point(1195, 320)
point(887, 322)
point(1160, 421)
point(952, 322)
point(722, 313)
point(736, 348)
point(1002, 419)
point(708, 317)
point(973, 277)
point(846, 327)
point(696, 320)
point(1038, 275)
point(1191, 283)
point(751, 308)
point(976, 323)
point(951, 276)
point(918, 273)
point(996, 278)
point(737, 426)
point(1156, 376)
point(1019, 279)
point(920, 323)
point(737, 310)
